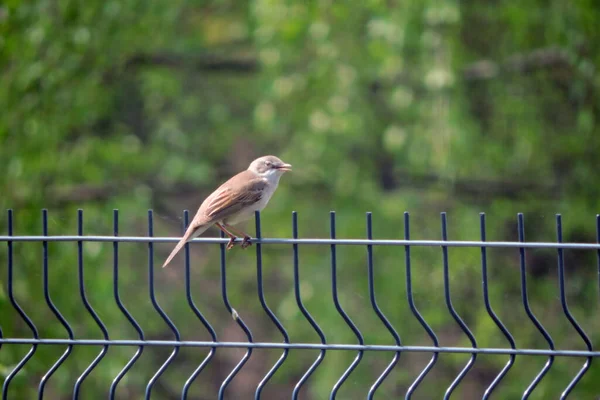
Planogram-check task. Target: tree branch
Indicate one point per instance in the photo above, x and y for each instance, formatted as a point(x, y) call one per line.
point(521, 63)
point(63, 195)
point(485, 189)
point(60, 196)
point(202, 62)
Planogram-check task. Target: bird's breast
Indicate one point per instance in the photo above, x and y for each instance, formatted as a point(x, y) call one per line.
point(248, 212)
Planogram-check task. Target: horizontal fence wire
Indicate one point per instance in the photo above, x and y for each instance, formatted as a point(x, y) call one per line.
point(339, 242)
point(307, 346)
point(359, 345)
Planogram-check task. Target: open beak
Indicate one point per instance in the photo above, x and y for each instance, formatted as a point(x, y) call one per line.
point(285, 167)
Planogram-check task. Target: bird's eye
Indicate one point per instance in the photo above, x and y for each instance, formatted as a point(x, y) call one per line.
point(268, 163)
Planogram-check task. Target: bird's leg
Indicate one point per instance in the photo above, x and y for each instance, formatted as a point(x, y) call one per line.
point(232, 237)
point(246, 242)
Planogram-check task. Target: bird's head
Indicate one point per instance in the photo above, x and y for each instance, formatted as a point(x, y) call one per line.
point(269, 166)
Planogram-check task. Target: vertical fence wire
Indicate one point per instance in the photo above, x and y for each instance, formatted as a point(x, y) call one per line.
point(236, 317)
point(19, 310)
point(454, 314)
point(159, 310)
point(1, 337)
point(532, 317)
point(598, 252)
point(413, 308)
point(53, 308)
point(196, 311)
point(304, 311)
point(268, 311)
point(123, 309)
point(567, 312)
point(492, 314)
point(382, 317)
point(89, 309)
point(340, 309)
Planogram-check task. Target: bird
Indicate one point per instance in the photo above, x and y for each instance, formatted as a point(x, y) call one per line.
point(236, 201)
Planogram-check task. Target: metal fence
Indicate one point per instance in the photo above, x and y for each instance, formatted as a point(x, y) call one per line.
point(359, 346)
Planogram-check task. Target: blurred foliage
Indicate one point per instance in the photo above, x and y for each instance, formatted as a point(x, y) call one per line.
point(414, 105)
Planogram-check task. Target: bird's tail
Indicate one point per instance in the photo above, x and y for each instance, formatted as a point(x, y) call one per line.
point(191, 233)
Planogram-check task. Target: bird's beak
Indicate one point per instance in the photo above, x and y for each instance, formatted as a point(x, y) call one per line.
point(285, 167)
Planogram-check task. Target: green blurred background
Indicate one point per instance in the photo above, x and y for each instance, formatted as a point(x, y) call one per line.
point(384, 106)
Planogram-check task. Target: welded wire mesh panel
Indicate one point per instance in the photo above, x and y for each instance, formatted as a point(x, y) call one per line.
point(412, 326)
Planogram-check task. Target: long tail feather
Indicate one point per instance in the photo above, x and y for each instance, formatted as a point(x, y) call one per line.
point(191, 233)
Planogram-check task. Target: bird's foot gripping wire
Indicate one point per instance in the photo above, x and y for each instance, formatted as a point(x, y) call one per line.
point(231, 243)
point(246, 242)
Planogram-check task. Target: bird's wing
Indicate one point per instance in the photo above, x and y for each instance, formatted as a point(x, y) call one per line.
point(243, 190)
point(233, 196)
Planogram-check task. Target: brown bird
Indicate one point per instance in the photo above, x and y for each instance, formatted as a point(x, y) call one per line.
point(235, 201)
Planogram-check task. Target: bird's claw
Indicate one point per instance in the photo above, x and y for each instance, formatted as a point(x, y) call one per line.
point(246, 242)
point(231, 243)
